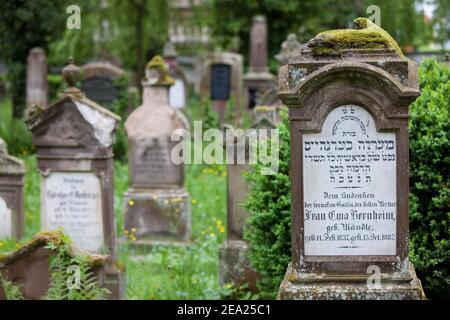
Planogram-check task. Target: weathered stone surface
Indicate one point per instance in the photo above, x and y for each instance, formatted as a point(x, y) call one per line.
point(258, 78)
point(223, 89)
point(349, 170)
point(234, 267)
point(328, 287)
point(157, 206)
point(290, 48)
point(12, 172)
point(73, 138)
point(29, 266)
point(37, 87)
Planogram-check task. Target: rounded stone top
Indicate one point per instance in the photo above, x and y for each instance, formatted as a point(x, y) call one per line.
point(259, 19)
point(71, 73)
point(3, 149)
point(157, 73)
point(169, 50)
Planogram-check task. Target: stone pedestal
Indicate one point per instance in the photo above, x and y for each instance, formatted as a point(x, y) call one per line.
point(158, 215)
point(310, 286)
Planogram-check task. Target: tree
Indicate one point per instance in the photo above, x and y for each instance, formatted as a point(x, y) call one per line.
point(24, 25)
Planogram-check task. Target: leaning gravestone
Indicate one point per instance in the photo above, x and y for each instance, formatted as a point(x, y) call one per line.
point(157, 205)
point(37, 86)
point(348, 99)
point(12, 171)
point(258, 78)
point(234, 266)
point(221, 80)
point(73, 138)
point(98, 82)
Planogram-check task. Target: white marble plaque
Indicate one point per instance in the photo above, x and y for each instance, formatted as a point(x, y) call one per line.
point(177, 96)
point(5, 220)
point(349, 172)
point(72, 201)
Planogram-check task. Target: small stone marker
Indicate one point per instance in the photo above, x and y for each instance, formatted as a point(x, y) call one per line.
point(348, 110)
point(234, 266)
point(157, 206)
point(37, 86)
point(290, 49)
point(177, 92)
point(28, 267)
point(258, 78)
point(222, 80)
point(98, 82)
point(73, 138)
point(12, 171)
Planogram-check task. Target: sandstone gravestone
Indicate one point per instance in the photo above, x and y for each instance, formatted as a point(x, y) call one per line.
point(12, 171)
point(28, 267)
point(73, 138)
point(156, 205)
point(37, 86)
point(290, 49)
point(258, 78)
point(178, 91)
point(348, 110)
point(222, 81)
point(98, 83)
point(234, 266)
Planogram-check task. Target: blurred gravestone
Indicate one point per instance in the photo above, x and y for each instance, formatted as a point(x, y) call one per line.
point(12, 171)
point(98, 83)
point(177, 92)
point(258, 78)
point(157, 205)
point(222, 81)
point(74, 138)
point(37, 87)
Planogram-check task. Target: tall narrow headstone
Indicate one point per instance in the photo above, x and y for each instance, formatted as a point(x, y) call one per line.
point(258, 78)
point(37, 86)
point(12, 171)
point(348, 109)
point(157, 206)
point(73, 138)
point(234, 266)
point(222, 81)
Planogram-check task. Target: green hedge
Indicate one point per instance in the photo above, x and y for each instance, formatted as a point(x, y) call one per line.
point(268, 229)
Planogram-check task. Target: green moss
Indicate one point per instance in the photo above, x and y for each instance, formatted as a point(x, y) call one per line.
point(159, 64)
point(367, 36)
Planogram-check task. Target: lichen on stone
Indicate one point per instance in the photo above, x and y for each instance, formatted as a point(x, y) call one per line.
point(161, 77)
point(366, 36)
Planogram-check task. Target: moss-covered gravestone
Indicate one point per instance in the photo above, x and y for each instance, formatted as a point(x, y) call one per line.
point(12, 171)
point(74, 138)
point(348, 99)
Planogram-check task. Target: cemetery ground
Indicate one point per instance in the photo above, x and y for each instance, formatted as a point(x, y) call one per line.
point(164, 272)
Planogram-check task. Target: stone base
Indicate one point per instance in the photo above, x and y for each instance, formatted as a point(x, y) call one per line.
point(114, 281)
point(158, 215)
point(234, 267)
point(350, 287)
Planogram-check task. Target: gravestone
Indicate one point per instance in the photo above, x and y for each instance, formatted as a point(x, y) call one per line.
point(258, 78)
point(234, 266)
point(157, 206)
point(73, 138)
point(348, 112)
point(37, 86)
point(290, 49)
point(28, 266)
point(12, 171)
point(178, 91)
point(98, 82)
point(222, 81)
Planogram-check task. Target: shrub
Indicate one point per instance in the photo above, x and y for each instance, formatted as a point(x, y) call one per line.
point(268, 229)
point(430, 180)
